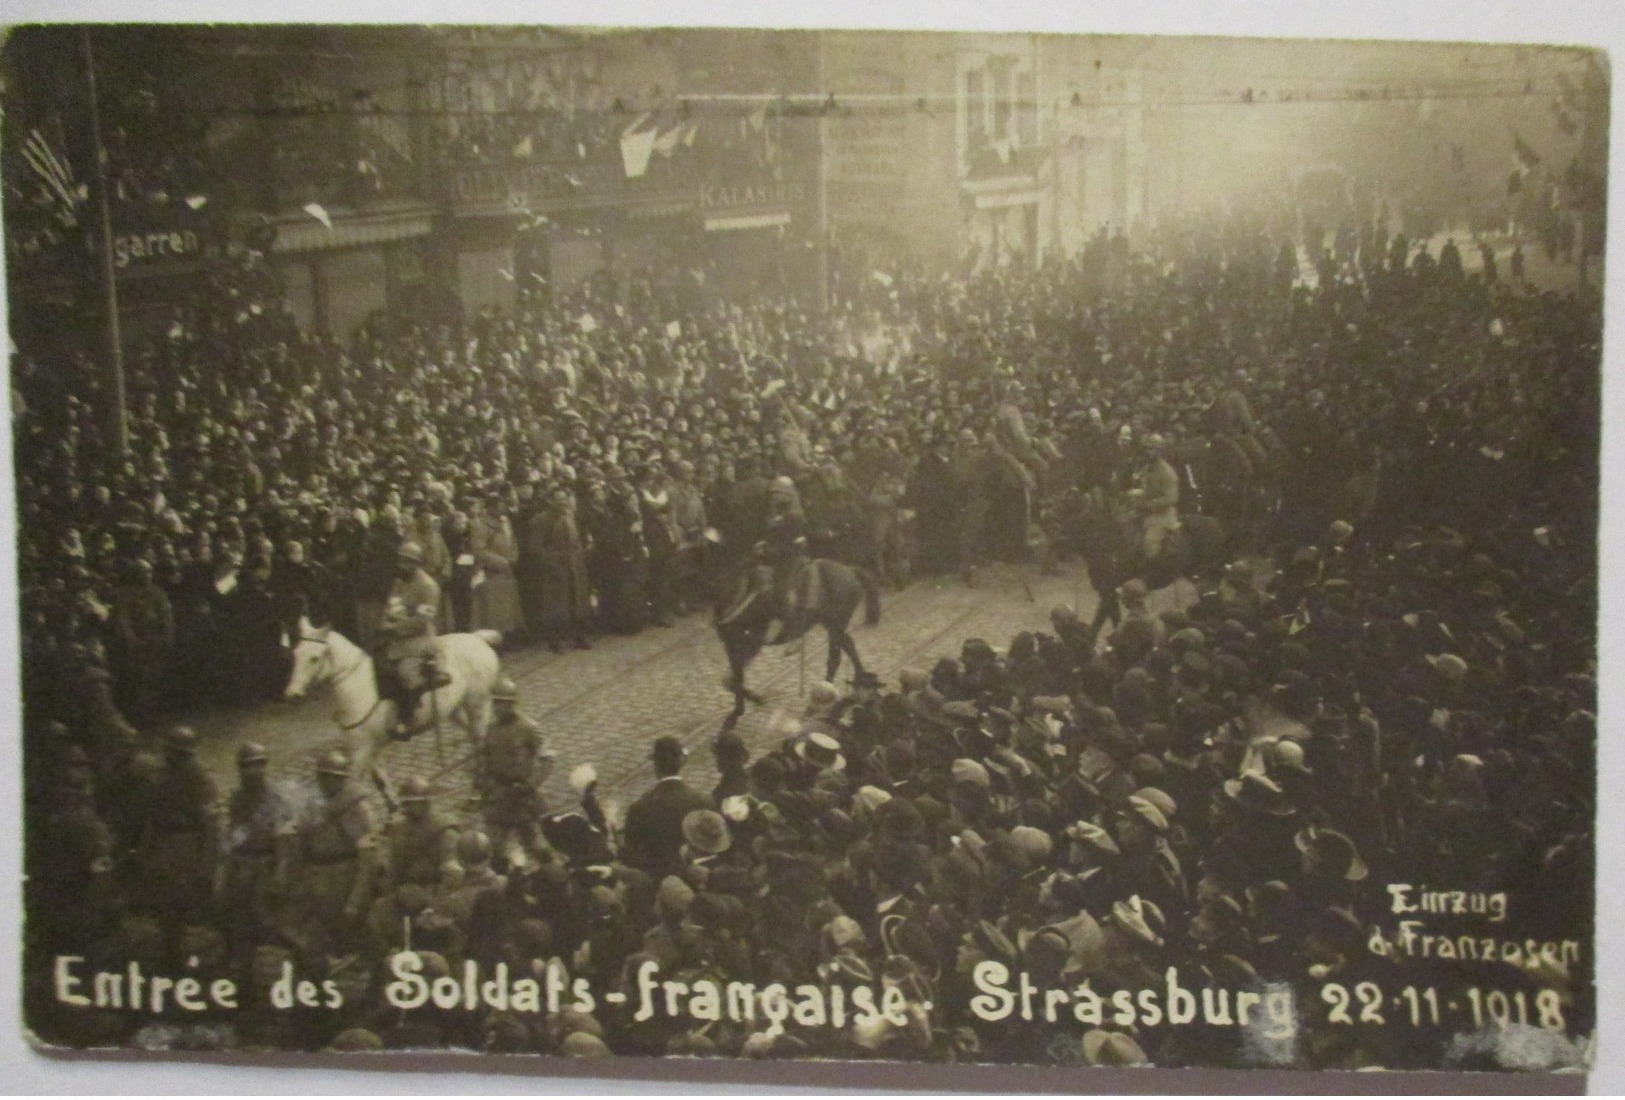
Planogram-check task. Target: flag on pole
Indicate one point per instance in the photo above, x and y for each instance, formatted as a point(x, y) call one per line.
point(637, 143)
point(53, 172)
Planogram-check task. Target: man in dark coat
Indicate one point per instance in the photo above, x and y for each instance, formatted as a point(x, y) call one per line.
point(143, 637)
point(931, 493)
point(555, 565)
point(654, 823)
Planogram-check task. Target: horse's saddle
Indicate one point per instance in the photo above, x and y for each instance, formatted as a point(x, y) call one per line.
point(801, 593)
point(801, 596)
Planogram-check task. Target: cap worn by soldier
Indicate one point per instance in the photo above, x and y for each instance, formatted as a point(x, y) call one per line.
point(181, 739)
point(251, 754)
point(505, 690)
point(414, 789)
point(410, 551)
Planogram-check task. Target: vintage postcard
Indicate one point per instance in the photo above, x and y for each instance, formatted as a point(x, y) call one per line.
point(993, 549)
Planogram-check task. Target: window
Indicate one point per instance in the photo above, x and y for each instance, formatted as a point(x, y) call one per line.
point(975, 111)
point(998, 75)
point(1026, 110)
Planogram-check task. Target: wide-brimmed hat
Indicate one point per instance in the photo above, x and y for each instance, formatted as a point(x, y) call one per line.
point(1136, 916)
point(841, 933)
point(1094, 837)
point(707, 831)
point(1260, 794)
point(1159, 798)
point(1334, 850)
point(1148, 813)
point(1448, 665)
point(823, 750)
point(965, 770)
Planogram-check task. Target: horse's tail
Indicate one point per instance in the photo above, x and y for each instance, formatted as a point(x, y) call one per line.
point(492, 638)
point(871, 597)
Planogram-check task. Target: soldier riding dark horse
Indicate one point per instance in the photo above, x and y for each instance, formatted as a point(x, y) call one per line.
point(1114, 548)
point(818, 592)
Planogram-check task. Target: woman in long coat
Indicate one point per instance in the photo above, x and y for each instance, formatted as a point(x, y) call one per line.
point(564, 601)
point(496, 598)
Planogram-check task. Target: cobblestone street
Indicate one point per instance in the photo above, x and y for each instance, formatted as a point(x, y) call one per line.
point(605, 706)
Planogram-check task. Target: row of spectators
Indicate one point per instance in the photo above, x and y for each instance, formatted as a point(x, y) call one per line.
point(1224, 791)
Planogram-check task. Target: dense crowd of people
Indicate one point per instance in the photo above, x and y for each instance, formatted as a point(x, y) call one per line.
point(1404, 693)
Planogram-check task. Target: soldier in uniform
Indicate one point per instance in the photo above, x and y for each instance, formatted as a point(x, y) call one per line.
point(419, 841)
point(473, 854)
point(416, 845)
point(512, 763)
point(780, 555)
point(176, 854)
point(333, 859)
point(1157, 491)
point(254, 854)
point(408, 631)
point(1016, 462)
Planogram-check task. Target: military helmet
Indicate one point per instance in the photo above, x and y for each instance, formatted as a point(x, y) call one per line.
point(415, 789)
point(505, 689)
point(252, 753)
point(410, 551)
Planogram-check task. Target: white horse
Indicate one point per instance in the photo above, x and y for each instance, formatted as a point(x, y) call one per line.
point(364, 717)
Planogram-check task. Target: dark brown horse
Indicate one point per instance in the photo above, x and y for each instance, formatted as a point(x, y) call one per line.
point(835, 590)
point(1114, 549)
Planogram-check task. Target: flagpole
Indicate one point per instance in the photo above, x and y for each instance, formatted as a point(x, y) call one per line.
point(104, 256)
point(823, 184)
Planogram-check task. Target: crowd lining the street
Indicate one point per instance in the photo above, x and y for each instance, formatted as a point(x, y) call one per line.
point(1393, 681)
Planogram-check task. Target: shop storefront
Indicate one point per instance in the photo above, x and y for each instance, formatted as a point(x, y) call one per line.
point(337, 274)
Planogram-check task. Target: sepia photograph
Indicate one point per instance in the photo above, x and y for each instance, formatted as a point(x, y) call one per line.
point(974, 548)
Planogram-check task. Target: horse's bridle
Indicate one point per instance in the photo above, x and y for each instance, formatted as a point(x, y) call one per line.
point(327, 655)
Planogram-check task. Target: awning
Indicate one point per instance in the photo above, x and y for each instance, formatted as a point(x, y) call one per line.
point(747, 221)
point(303, 233)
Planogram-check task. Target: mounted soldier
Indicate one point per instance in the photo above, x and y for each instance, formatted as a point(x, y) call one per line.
point(1156, 493)
point(780, 557)
point(1020, 460)
point(408, 633)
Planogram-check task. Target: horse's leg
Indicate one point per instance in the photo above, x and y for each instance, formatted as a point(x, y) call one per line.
point(740, 693)
point(834, 664)
point(366, 764)
point(851, 648)
point(475, 718)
